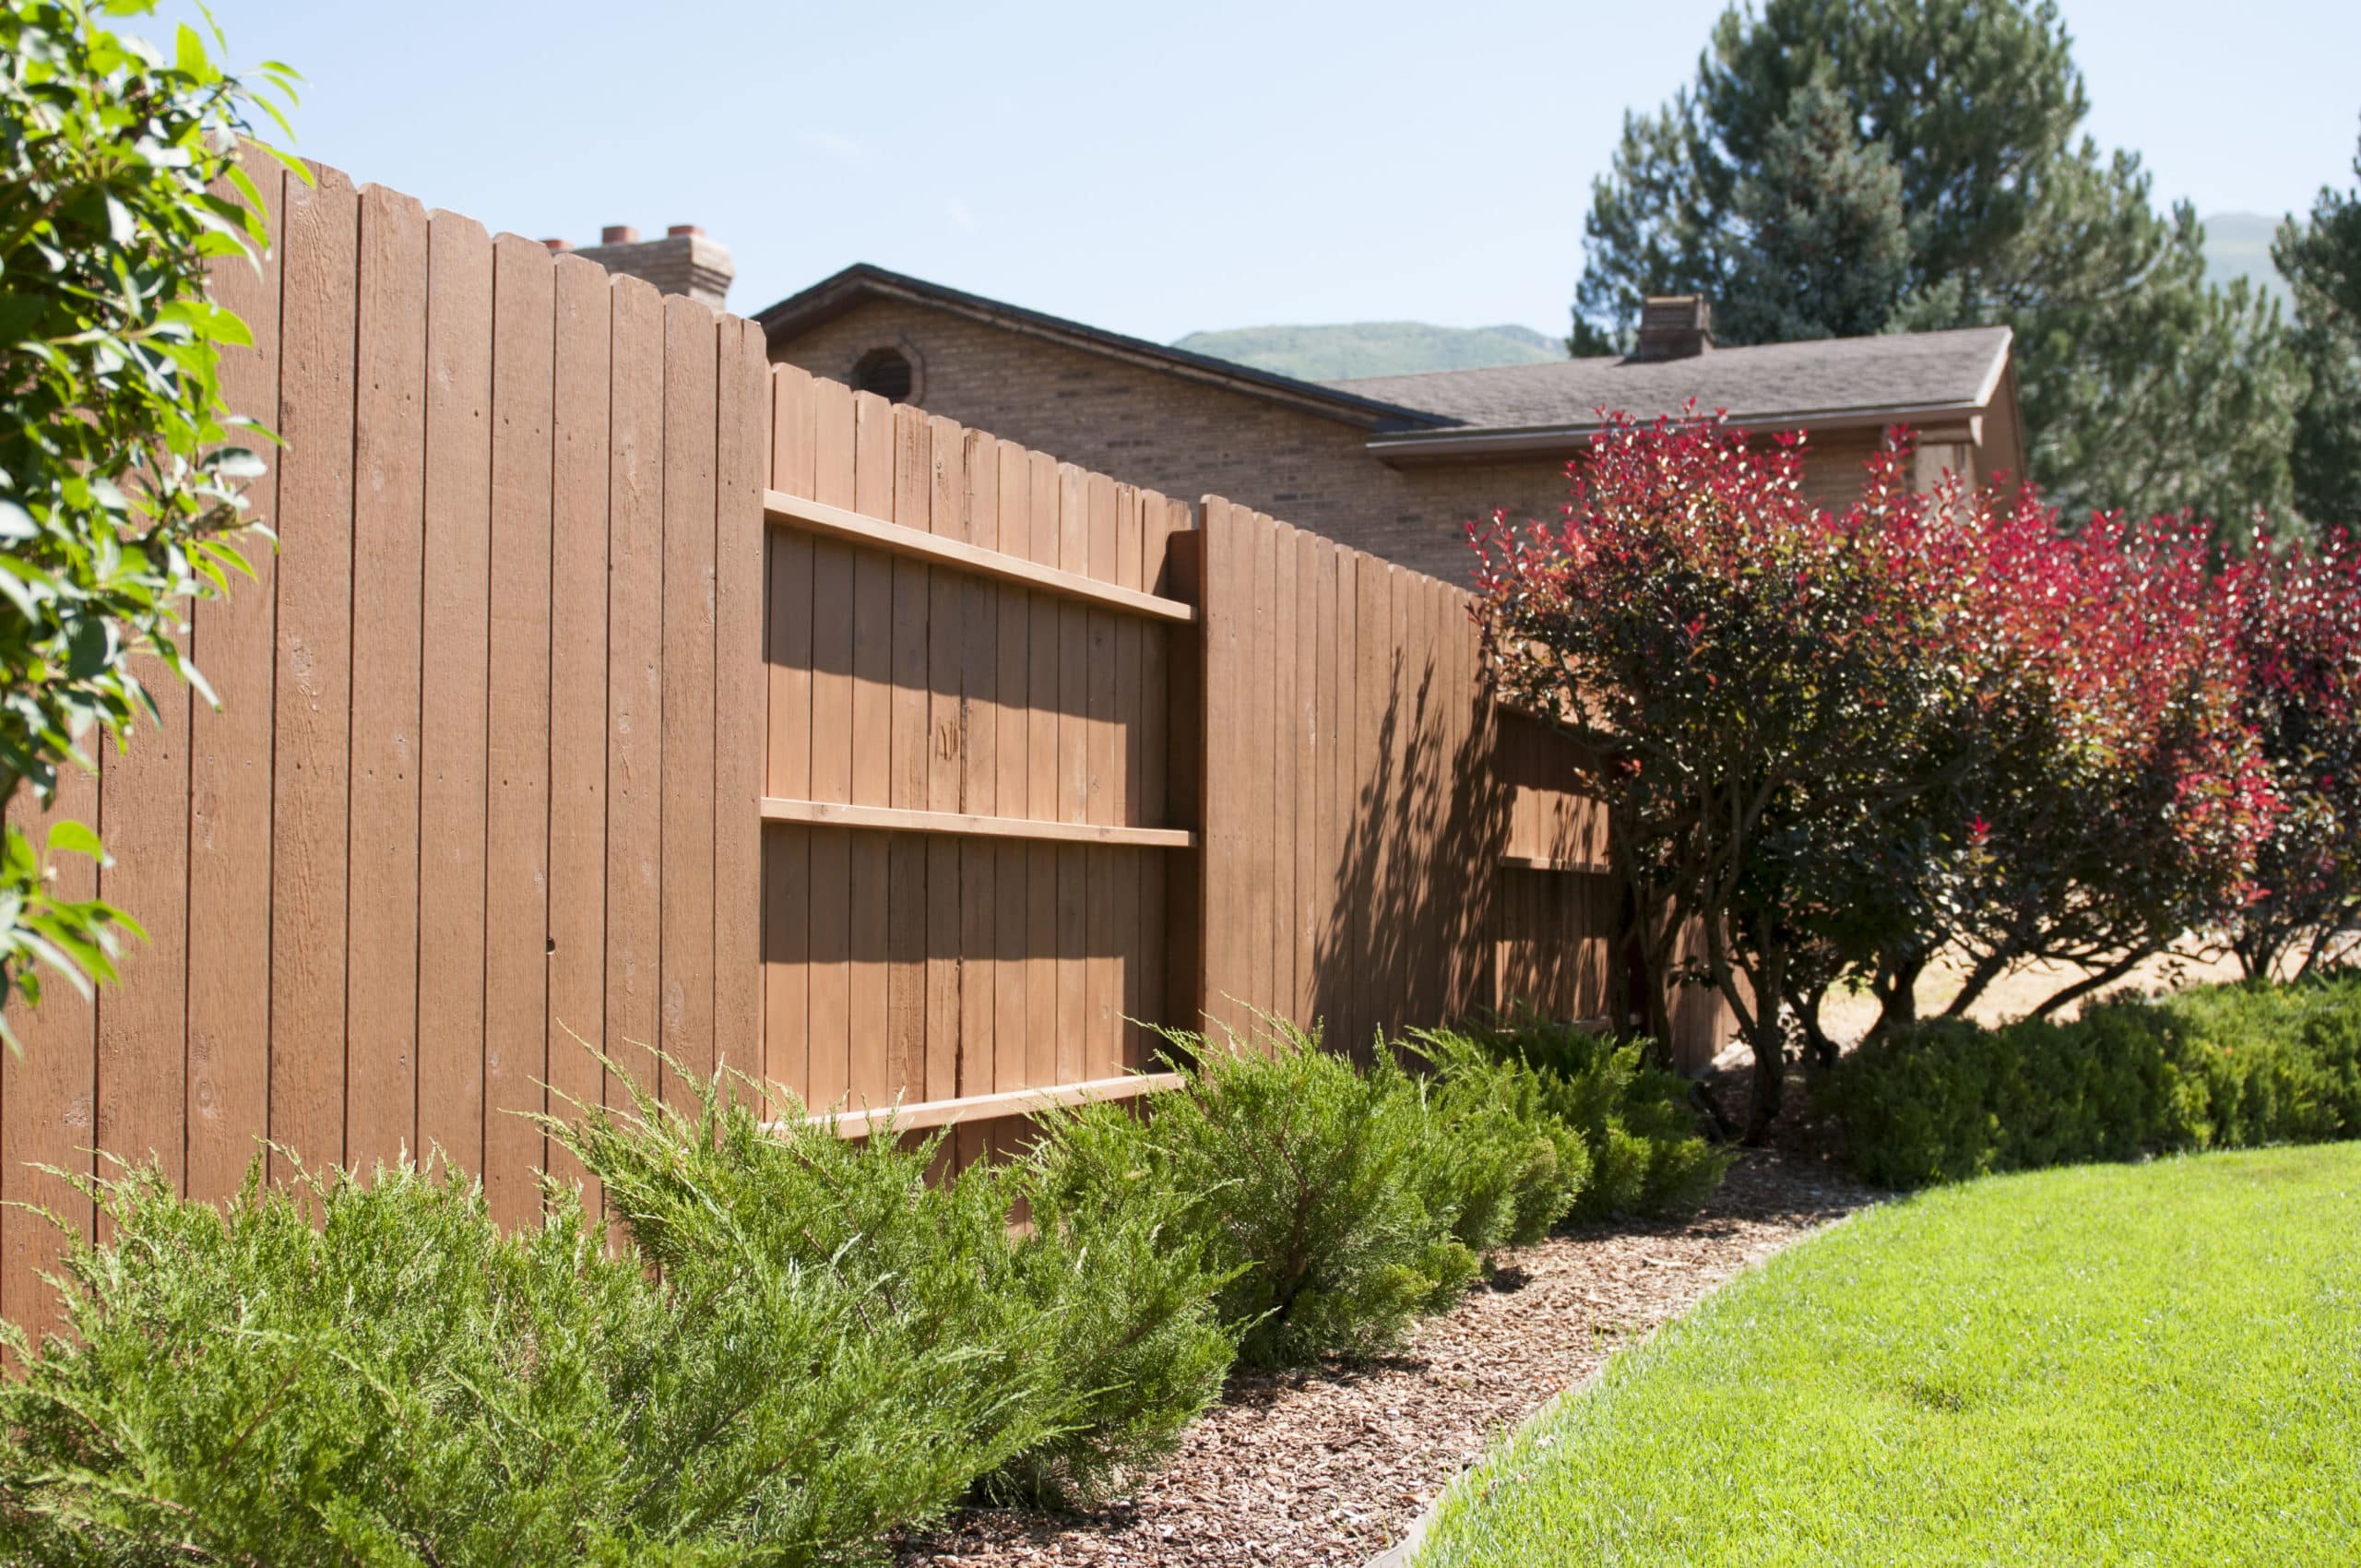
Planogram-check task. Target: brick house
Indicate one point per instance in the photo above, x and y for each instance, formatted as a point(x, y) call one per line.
point(1396, 464)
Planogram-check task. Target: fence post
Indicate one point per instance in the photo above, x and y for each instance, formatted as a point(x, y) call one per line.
point(1223, 584)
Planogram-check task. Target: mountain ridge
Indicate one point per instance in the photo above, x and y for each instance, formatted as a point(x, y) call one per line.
point(1349, 350)
point(2237, 244)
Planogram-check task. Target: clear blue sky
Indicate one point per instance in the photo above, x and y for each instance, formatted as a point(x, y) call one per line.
point(1158, 169)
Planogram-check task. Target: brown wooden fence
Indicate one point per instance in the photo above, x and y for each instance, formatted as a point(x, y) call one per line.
point(487, 765)
point(1352, 820)
point(610, 683)
point(1556, 905)
point(968, 823)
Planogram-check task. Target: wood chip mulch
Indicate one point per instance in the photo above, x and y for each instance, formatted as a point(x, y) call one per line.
point(1329, 1465)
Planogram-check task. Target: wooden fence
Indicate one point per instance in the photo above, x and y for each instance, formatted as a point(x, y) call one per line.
point(1352, 820)
point(969, 824)
point(1556, 905)
point(608, 682)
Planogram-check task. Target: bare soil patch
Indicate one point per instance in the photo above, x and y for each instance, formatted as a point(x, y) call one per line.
point(1329, 1465)
point(1847, 1017)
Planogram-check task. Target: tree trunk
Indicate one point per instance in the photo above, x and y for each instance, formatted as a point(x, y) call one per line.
point(2257, 958)
point(1897, 989)
point(2089, 983)
point(1770, 1044)
point(1647, 951)
point(1702, 1100)
point(1659, 999)
point(1819, 1049)
point(1770, 1079)
point(2312, 956)
point(1978, 981)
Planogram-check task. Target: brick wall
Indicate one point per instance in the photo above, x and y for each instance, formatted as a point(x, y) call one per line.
point(1832, 466)
point(1188, 439)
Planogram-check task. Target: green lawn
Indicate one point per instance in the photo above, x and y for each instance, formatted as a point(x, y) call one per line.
point(2149, 1364)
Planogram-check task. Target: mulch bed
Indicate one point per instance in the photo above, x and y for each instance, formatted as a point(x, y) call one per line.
point(1329, 1465)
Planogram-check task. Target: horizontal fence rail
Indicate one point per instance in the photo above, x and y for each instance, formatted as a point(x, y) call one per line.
point(893, 819)
point(1556, 862)
point(835, 522)
point(925, 1116)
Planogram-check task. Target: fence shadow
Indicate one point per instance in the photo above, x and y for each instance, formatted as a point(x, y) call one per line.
point(1428, 826)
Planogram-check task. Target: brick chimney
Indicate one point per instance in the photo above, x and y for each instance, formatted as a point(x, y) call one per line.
point(1674, 327)
point(686, 261)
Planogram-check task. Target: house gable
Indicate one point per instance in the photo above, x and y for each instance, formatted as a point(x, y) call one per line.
point(860, 286)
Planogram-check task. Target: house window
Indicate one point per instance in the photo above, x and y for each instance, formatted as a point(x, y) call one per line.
point(886, 372)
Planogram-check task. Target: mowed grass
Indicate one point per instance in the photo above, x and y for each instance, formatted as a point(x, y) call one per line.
point(2142, 1364)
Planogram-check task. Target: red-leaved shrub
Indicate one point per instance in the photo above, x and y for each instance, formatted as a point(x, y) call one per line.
point(2297, 617)
point(1842, 742)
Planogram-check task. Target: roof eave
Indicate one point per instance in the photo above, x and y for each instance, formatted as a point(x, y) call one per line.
point(1535, 441)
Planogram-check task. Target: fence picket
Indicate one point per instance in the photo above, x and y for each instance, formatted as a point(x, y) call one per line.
point(389, 553)
point(48, 1092)
point(740, 697)
point(908, 896)
point(516, 826)
point(634, 691)
point(968, 465)
point(228, 1074)
point(312, 681)
point(830, 851)
point(457, 667)
point(871, 1021)
point(583, 336)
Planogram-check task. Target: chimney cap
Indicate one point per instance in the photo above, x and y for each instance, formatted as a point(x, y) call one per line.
point(1674, 327)
point(618, 235)
point(558, 247)
point(683, 230)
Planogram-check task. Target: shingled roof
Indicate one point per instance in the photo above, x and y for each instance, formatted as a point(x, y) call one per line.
point(1911, 378)
point(1887, 378)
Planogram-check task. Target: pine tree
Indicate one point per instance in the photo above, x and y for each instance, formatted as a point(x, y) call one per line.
point(1975, 101)
point(2320, 258)
point(1828, 251)
point(2142, 388)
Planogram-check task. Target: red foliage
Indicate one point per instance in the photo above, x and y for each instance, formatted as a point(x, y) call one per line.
point(2129, 796)
point(1849, 739)
point(2296, 610)
point(1760, 666)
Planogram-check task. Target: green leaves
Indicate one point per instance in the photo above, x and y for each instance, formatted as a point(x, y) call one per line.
point(74, 838)
point(782, 1346)
point(332, 1375)
point(909, 1344)
point(1831, 244)
point(117, 494)
point(1338, 1203)
point(1635, 1148)
point(2209, 1067)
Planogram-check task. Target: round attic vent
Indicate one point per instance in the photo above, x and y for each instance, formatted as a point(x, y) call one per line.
point(886, 372)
